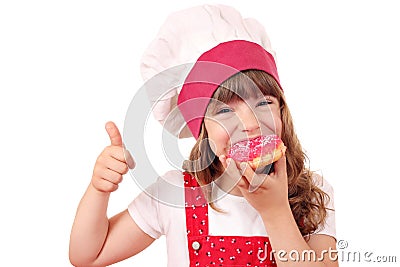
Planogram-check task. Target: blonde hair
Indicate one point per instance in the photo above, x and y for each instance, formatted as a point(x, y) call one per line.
point(307, 201)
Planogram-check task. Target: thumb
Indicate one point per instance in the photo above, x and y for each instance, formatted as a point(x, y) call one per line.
point(114, 134)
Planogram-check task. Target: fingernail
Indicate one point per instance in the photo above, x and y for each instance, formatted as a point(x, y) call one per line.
point(243, 166)
point(129, 159)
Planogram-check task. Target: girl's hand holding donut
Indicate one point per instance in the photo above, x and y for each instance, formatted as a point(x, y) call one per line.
point(267, 193)
point(112, 163)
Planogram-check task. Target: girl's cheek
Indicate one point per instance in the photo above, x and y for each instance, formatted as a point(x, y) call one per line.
point(278, 122)
point(222, 141)
point(271, 122)
point(218, 137)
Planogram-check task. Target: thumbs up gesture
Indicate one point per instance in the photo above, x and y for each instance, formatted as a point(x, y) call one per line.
point(111, 164)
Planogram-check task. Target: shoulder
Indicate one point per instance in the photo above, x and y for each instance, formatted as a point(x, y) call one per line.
point(156, 206)
point(328, 227)
point(168, 189)
point(322, 183)
point(174, 177)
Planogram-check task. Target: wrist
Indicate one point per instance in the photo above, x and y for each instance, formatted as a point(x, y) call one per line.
point(277, 215)
point(97, 191)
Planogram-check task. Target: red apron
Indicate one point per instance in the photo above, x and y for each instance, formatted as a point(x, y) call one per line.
point(206, 250)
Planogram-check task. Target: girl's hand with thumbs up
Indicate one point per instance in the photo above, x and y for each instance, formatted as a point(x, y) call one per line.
point(112, 163)
point(95, 239)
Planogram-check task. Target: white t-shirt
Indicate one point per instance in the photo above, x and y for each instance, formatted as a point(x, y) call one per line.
point(157, 218)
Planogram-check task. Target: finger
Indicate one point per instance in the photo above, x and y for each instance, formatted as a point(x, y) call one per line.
point(230, 166)
point(113, 161)
point(246, 171)
point(105, 186)
point(222, 159)
point(233, 170)
point(111, 176)
point(280, 164)
point(230, 171)
point(254, 180)
point(114, 134)
point(243, 186)
point(115, 152)
point(117, 166)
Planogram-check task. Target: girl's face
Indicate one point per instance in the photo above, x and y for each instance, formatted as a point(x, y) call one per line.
point(228, 123)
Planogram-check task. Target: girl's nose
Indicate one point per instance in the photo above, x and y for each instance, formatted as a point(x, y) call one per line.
point(248, 120)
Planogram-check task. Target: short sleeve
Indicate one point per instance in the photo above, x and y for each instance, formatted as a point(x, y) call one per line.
point(144, 210)
point(329, 227)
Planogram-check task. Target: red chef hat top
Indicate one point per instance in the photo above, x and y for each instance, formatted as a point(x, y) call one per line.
point(214, 67)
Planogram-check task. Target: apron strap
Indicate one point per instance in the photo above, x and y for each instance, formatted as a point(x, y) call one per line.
point(196, 208)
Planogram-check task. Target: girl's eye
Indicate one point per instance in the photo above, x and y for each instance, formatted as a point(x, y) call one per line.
point(224, 110)
point(265, 103)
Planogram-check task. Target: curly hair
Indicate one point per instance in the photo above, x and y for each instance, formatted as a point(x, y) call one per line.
point(306, 199)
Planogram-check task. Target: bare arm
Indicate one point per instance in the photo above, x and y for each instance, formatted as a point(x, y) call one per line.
point(270, 199)
point(286, 237)
point(95, 239)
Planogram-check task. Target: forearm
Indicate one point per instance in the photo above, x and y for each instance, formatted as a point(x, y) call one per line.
point(90, 227)
point(290, 248)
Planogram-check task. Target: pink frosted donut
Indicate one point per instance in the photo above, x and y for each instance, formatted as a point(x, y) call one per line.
point(258, 152)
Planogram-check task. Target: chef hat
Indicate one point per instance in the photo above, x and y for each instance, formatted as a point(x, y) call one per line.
point(194, 51)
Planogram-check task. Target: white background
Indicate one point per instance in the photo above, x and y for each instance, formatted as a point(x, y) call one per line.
point(67, 67)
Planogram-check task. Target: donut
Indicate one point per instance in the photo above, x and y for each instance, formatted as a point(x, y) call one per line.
point(258, 152)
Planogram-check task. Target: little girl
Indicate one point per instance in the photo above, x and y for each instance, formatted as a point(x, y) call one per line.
point(230, 214)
